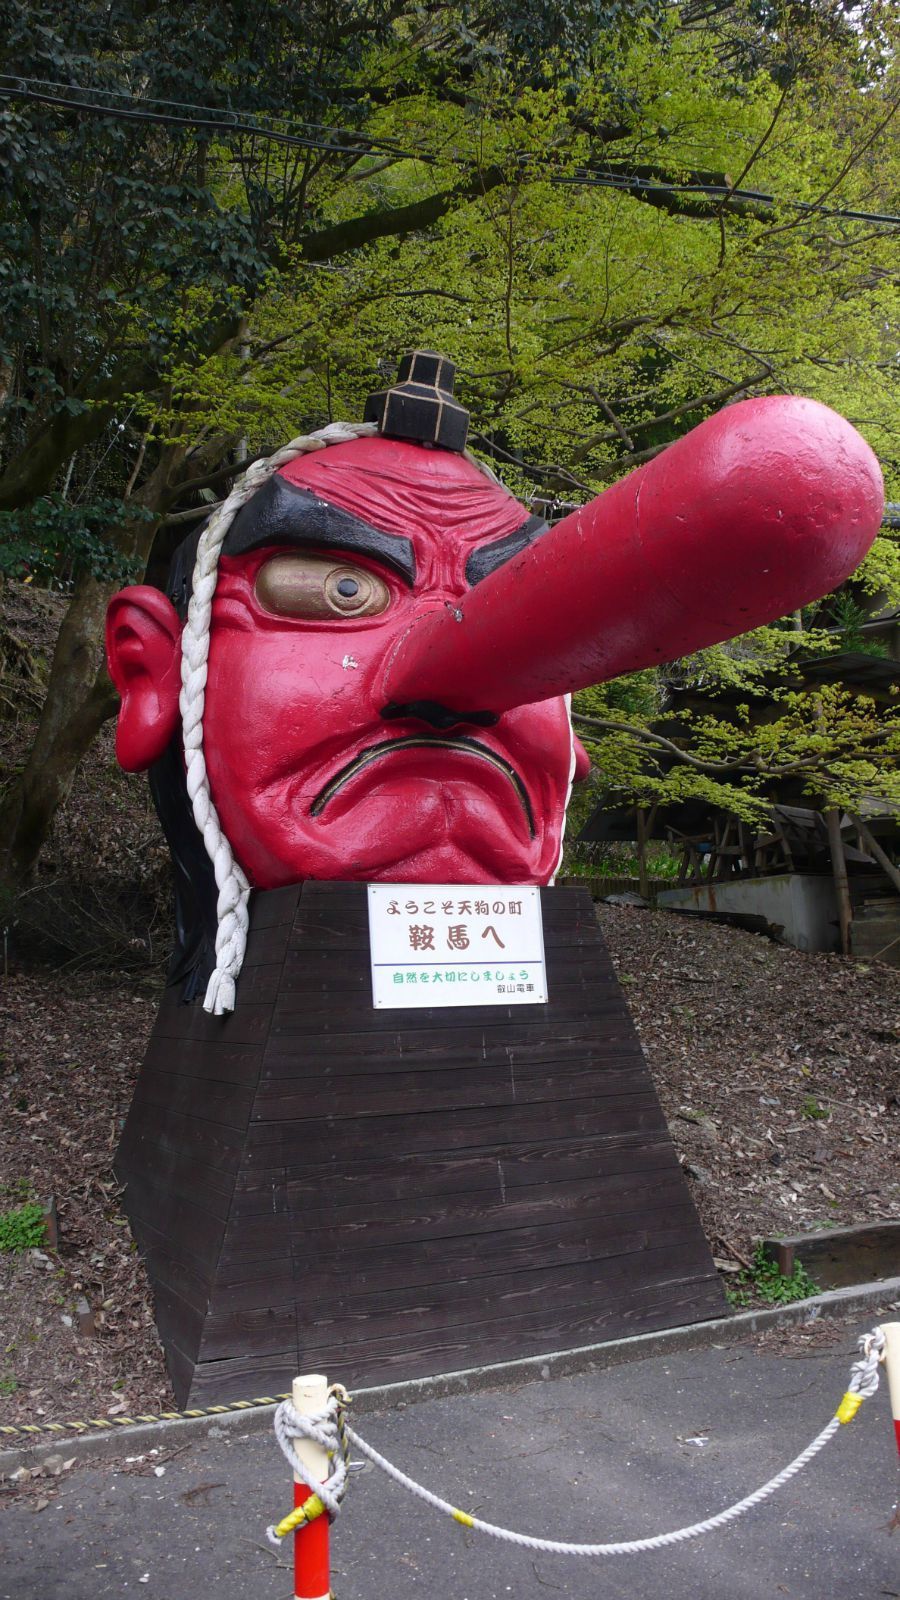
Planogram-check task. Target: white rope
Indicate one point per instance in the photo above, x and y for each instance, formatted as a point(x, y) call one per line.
point(234, 890)
point(863, 1382)
point(232, 913)
point(323, 1429)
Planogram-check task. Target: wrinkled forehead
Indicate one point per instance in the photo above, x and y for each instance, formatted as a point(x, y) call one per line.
point(430, 514)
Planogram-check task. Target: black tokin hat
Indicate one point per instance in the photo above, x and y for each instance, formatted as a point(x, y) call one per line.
point(421, 405)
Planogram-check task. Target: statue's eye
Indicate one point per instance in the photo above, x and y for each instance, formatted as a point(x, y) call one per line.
point(316, 588)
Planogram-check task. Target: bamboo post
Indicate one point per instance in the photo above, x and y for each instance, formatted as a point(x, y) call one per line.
point(311, 1564)
point(891, 1331)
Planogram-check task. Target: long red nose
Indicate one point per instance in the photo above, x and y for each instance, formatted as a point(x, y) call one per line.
point(762, 508)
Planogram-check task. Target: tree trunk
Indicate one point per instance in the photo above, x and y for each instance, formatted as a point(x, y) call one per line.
point(643, 875)
point(80, 698)
point(841, 881)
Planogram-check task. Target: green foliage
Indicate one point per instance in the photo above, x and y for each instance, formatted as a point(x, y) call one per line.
point(618, 861)
point(850, 617)
point(766, 1283)
point(16, 1188)
point(22, 1228)
point(8, 1384)
point(570, 35)
point(53, 542)
point(813, 1110)
point(880, 572)
point(837, 745)
point(441, 177)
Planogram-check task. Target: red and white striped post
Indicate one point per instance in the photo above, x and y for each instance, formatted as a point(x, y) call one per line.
point(891, 1331)
point(311, 1569)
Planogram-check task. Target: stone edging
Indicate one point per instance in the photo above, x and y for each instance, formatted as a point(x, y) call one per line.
point(856, 1299)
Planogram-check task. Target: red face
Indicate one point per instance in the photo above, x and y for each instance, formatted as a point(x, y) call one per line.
point(310, 779)
point(311, 782)
point(388, 659)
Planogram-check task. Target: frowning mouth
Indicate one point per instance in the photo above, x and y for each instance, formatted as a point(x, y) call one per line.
point(459, 743)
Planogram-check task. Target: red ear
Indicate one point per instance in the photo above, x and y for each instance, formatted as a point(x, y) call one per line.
point(143, 650)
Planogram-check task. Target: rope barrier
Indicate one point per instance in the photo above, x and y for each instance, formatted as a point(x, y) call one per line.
point(327, 1429)
point(330, 1429)
point(32, 1431)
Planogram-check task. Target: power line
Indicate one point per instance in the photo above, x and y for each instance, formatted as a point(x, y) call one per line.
point(15, 88)
point(585, 178)
point(365, 142)
point(16, 80)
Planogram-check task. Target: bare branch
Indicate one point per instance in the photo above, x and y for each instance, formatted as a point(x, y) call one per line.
point(635, 459)
point(193, 515)
point(711, 768)
point(355, 232)
point(371, 172)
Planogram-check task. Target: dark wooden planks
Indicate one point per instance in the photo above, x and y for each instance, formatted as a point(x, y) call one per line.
point(250, 1376)
point(185, 1136)
point(401, 1192)
point(471, 1129)
point(500, 1170)
point(574, 1287)
point(352, 1270)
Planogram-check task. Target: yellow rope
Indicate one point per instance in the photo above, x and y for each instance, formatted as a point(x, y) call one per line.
point(30, 1429)
point(310, 1509)
point(849, 1406)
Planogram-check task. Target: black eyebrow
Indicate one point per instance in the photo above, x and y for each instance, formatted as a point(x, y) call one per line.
point(280, 513)
point(488, 557)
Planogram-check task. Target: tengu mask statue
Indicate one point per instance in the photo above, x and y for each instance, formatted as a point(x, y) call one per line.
point(362, 665)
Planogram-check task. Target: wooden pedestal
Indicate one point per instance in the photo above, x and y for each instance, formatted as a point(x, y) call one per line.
point(379, 1195)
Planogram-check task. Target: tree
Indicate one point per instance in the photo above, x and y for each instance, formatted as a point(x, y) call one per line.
point(597, 209)
point(735, 724)
point(163, 170)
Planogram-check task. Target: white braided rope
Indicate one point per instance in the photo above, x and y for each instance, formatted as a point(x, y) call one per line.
point(863, 1381)
point(234, 890)
point(322, 1428)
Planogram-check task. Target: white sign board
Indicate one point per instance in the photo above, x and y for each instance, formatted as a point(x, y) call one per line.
point(456, 944)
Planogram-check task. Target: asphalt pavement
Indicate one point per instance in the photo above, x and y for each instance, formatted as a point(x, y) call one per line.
point(613, 1454)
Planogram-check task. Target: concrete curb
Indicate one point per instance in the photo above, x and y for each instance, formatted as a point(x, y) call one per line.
point(138, 1440)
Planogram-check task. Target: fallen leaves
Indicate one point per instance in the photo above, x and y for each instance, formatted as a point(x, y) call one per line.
point(73, 1042)
point(774, 1034)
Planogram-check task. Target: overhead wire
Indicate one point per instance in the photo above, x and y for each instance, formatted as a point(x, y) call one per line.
point(178, 105)
point(351, 142)
point(15, 88)
point(600, 180)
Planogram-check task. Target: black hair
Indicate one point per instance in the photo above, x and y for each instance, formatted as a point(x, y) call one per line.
point(194, 954)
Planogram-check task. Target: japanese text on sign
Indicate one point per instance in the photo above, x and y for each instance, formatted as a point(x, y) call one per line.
point(456, 945)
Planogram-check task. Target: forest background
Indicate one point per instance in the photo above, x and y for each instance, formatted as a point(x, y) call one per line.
point(219, 229)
